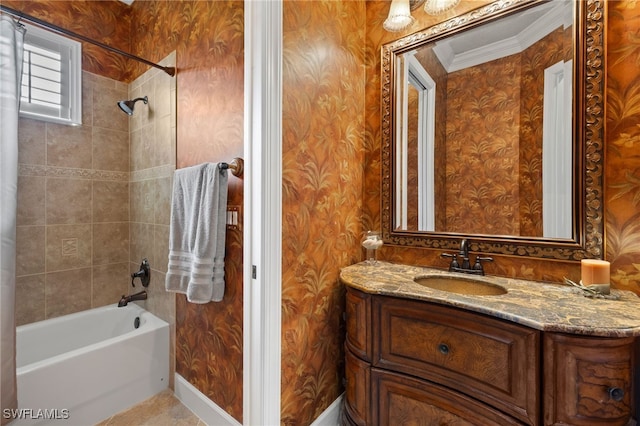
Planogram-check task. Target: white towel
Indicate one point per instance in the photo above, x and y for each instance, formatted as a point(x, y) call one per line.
point(197, 233)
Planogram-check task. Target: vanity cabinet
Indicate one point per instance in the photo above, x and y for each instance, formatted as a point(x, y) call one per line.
point(588, 380)
point(410, 360)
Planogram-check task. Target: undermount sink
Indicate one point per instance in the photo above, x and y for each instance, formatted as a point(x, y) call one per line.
point(460, 285)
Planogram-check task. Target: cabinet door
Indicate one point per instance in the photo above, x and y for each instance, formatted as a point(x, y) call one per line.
point(357, 389)
point(588, 380)
point(495, 361)
point(358, 309)
point(403, 400)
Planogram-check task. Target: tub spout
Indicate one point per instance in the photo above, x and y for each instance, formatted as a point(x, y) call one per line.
point(124, 300)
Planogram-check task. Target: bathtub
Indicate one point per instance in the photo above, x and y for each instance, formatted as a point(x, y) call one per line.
point(82, 368)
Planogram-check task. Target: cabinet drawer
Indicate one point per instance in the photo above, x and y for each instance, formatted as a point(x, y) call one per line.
point(495, 361)
point(588, 380)
point(405, 400)
point(358, 309)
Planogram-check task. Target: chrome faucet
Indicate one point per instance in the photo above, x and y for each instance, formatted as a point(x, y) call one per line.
point(465, 266)
point(124, 300)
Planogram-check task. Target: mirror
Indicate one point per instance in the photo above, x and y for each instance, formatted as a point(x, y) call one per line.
point(492, 130)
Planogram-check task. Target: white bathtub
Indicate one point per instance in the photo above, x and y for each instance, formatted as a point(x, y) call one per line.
point(81, 368)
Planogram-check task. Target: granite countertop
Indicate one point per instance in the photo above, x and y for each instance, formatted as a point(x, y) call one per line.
point(542, 306)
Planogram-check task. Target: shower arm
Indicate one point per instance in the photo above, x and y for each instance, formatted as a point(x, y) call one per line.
point(23, 16)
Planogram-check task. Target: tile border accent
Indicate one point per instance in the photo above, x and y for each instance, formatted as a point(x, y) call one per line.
point(153, 173)
point(66, 172)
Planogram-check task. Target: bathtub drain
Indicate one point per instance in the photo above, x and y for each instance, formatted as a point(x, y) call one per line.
point(136, 322)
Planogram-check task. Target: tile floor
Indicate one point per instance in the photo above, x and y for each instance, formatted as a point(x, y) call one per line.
point(163, 409)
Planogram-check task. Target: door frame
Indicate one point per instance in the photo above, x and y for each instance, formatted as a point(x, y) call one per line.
point(262, 269)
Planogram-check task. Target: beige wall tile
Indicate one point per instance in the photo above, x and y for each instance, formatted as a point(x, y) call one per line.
point(68, 146)
point(30, 250)
point(143, 114)
point(32, 148)
point(88, 80)
point(31, 196)
point(142, 148)
point(162, 93)
point(67, 292)
point(142, 201)
point(163, 143)
point(110, 282)
point(110, 149)
point(162, 201)
point(110, 201)
point(68, 247)
point(159, 301)
point(30, 305)
point(106, 113)
point(68, 201)
point(161, 246)
point(142, 243)
point(111, 242)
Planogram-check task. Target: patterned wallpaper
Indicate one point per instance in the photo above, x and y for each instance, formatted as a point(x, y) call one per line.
point(622, 156)
point(114, 20)
point(323, 113)
point(482, 148)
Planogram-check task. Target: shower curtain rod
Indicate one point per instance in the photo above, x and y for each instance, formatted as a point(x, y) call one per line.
point(169, 70)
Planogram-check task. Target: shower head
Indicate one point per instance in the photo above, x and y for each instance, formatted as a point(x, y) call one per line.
point(127, 106)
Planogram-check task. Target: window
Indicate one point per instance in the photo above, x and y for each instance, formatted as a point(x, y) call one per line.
point(51, 77)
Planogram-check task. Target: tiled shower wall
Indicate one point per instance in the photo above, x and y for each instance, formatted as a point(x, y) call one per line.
point(73, 208)
point(153, 160)
point(91, 204)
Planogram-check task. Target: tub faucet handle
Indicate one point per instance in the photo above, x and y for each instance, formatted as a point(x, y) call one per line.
point(144, 274)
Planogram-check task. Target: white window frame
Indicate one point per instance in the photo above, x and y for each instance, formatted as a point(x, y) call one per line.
point(69, 111)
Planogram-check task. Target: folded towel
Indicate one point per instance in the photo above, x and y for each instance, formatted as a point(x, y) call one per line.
point(197, 233)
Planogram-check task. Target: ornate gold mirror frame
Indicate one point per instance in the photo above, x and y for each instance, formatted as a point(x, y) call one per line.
point(588, 129)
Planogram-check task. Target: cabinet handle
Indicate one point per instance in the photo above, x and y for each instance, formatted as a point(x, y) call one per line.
point(443, 348)
point(616, 394)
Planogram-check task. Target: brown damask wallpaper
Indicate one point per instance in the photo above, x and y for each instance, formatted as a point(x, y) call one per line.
point(323, 110)
point(105, 21)
point(622, 171)
point(482, 148)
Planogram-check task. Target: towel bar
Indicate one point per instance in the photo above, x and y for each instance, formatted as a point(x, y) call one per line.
point(236, 166)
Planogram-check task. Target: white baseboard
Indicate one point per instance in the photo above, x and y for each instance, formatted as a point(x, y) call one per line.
point(330, 416)
point(203, 407)
point(210, 413)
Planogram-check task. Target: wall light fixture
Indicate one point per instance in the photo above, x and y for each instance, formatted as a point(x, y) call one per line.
point(436, 7)
point(399, 18)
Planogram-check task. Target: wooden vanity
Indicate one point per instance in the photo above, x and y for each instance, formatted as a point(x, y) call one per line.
point(539, 355)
